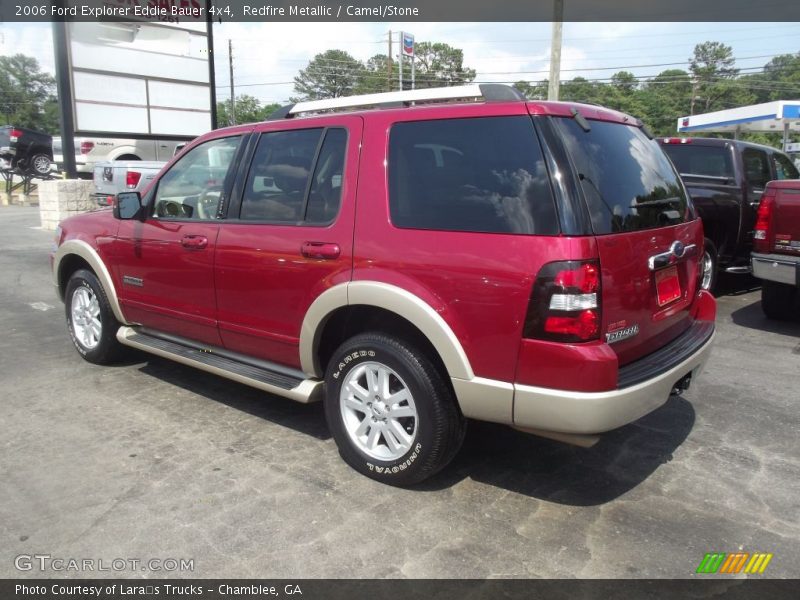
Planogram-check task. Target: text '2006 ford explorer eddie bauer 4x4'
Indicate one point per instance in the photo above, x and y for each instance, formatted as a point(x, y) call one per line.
point(471, 256)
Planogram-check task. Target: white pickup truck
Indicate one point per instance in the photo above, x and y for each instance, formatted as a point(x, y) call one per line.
point(90, 151)
point(114, 176)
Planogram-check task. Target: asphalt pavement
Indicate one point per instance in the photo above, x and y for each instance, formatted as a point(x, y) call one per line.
point(151, 460)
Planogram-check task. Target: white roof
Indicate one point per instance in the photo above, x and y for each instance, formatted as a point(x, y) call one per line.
point(768, 117)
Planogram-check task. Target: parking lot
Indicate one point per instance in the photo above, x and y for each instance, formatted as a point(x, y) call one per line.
point(151, 459)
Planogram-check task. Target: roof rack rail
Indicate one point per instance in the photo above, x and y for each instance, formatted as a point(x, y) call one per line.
point(490, 92)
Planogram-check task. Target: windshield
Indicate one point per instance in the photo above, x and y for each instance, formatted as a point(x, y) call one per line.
point(628, 182)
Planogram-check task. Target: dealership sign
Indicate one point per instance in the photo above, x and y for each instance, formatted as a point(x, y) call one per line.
point(142, 77)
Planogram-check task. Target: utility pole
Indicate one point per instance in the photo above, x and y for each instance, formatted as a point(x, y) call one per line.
point(400, 60)
point(64, 83)
point(230, 67)
point(555, 50)
point(389, 64)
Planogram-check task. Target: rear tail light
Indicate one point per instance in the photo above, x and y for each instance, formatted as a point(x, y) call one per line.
point(565, 303)
point(15, 135)
point(132, 179)
point(677, 140)
point(86, 147)
point(763, 234)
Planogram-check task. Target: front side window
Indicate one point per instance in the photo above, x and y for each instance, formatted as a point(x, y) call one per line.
point(628, 182)
point(475, 174)
point(784, 169)
point(194, 187)
point(296, 177)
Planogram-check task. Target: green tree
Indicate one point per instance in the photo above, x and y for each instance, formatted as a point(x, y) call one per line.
point(331, 74)
point(712, 69)
point(375, 77)
point(437, 65)
point(27, 94)
point(533, 91)
point(247, 109)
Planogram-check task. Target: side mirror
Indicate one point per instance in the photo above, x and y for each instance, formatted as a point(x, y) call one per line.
point(128, 205)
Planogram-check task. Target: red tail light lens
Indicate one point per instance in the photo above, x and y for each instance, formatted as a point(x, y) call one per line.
point(15, 134)
point(565, 303)
point(677, 140)
point(132, 179)
point(86, 147)
point(763, 234)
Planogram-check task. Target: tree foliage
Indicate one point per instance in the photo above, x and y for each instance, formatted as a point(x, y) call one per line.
point(336, 73)
point(27, 95)
point(247, 109)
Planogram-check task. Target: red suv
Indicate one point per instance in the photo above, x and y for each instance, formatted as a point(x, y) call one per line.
point(411, 259)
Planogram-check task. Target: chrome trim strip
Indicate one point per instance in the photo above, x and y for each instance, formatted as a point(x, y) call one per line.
point(306, 392)
point(89, 254)
point(670, 256)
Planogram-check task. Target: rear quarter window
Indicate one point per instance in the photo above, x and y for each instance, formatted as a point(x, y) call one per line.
point(474, 174)
point(628, 183)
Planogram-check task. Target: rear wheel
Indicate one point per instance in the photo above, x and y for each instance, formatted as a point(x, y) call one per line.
point(390, 410)
point(708, 265)
point(40, 164)
point(90, 320)
point(777, 300)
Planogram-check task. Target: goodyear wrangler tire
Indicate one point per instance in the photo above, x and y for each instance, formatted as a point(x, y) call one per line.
point(90, 320)
point(390, 410)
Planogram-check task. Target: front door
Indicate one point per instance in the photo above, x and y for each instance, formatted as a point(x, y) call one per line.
point(164, 264)
point(289, 237)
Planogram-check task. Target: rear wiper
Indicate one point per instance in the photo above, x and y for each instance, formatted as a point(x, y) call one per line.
point(580, 120)
point(657, 202)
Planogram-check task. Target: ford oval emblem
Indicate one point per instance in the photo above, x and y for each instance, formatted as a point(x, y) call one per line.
point(677, 249)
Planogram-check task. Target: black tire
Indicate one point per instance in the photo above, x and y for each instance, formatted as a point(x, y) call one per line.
point(439, 426)
point(777, 300)
point(709, 262)
point(128, 157)
point(107, 349)
point(39, 164)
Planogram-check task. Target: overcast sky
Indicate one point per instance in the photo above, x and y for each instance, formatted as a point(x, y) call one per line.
point(268, 55)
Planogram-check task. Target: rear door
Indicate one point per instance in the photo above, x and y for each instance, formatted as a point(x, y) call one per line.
point(290, 235)
point(648, 238)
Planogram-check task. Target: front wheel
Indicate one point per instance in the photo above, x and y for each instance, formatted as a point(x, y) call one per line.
point(777, 300)
point(90, 320)
point(391, 412)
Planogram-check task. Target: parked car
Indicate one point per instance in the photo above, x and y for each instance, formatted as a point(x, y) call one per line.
point(535, 264)
point(26, 150)
point(90, 150)
point(115, 176)
point(776, 256)
point(725, 179)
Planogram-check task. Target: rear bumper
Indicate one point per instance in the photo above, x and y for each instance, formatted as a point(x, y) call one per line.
point(596, 412)
point(777, 267)
point(7, 151)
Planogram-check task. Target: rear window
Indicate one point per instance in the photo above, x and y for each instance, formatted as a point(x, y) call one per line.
point(628, 182)
point(476, 174)
point(705, 161)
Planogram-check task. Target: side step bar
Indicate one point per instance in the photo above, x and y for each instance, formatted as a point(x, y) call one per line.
point(280, 380)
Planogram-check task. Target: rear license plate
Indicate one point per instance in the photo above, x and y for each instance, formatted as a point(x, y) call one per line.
point(668, 286)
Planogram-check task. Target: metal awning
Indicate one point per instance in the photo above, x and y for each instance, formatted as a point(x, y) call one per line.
point(781, 116)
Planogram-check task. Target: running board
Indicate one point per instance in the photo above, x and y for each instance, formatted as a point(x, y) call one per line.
point(280, 381)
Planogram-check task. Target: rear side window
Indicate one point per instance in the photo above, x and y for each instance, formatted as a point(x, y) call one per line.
point(703, 161)
point(628, 182)
point(475, 174)
point(784, 169)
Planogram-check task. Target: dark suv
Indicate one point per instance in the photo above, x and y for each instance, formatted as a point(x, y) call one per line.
point(411, 259)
